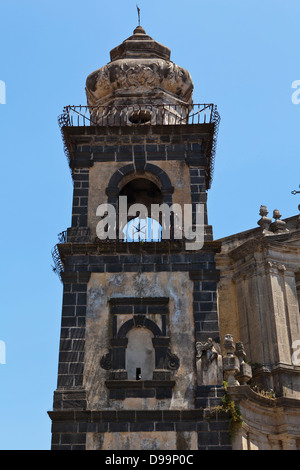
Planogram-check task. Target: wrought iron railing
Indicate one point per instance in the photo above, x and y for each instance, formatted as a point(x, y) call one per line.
point(141, 115)
point(58, 266)
point(138, 115)
point(72, 235)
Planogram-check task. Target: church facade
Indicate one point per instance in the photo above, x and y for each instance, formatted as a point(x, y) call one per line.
point(258, 296)
point(167, 343)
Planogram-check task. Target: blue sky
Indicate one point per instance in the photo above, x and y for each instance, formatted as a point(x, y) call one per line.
point(242, 56)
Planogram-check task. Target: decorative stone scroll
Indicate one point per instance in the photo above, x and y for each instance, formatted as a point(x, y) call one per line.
point(106, 361)
point(173, 361)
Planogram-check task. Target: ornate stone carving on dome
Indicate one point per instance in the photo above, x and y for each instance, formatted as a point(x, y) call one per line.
point(137, 76)
point(140, 73)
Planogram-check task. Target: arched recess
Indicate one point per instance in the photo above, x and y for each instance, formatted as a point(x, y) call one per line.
point(149, 186)
point(158, 361)
point(139, 321)
point(162, 355)
point(140, 354)
point(127, 173)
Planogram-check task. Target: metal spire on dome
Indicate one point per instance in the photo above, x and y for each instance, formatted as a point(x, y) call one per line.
point(139, 14)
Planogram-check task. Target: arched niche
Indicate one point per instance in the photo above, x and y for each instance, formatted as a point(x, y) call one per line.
point(140, 354)
point(139, 362)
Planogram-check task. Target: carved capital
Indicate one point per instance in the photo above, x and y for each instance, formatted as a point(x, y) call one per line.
point(272, 266)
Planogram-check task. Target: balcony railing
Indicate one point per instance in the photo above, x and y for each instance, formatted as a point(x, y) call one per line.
point(138, 115)
point(141, 115)
point(72, 235)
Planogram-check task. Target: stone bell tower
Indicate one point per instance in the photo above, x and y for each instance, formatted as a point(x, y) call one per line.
point(140, 364)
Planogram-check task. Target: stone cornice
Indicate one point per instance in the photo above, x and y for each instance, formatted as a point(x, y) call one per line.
point(245, 249)
point(118, 247)
point(284, 243)
point(246, 394)
point(263, 267)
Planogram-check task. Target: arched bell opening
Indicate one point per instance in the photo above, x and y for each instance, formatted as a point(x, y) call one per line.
point(142, 190)
point(141, 194)
point(128, 189)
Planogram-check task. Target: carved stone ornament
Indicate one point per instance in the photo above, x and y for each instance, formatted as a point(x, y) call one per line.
point(209, 363)
point(140, 68)
point(236, 370)
point(245, 372)
point(272, 265)
point(231, 363)
point(265, 221)
point(278, 225)
point(172, 361)
point(138, 76)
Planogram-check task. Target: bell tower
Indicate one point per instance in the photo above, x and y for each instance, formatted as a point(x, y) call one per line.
point(140, 364)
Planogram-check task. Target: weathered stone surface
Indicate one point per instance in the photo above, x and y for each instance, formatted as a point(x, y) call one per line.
point(209, 363)
point(132, 312)
point(154, 440)
point(140, 72)
point(177, 287)
point(259, 302)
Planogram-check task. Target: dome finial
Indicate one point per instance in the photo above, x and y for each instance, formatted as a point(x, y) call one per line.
point(139, 29)
point(139, 14)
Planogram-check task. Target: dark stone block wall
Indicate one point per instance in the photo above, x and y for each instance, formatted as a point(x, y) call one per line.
point(70, 429)
point(83, 254)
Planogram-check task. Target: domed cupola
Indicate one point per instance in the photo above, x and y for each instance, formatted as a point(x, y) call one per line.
point(140, 85)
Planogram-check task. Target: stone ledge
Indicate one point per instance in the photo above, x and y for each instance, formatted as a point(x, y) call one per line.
point(139, 384)
point(134, 416)
point(138, 301)
point(147, 248)
point(244, 392)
